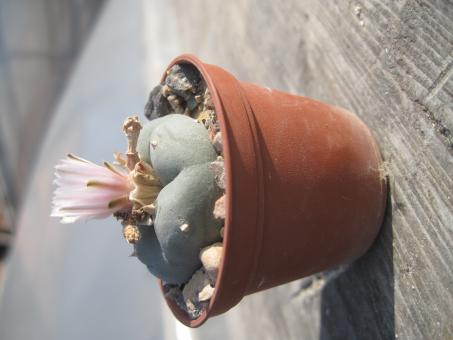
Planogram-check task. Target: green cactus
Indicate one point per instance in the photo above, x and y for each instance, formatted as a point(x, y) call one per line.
point(172, 143)
point(180, 152)
point(144, 139)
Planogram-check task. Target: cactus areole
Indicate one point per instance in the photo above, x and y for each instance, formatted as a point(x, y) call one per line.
point(304, 188)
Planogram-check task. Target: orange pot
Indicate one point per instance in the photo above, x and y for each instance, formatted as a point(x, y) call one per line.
point(303, 187)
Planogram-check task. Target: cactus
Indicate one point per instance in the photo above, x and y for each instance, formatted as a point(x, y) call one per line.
point(180, 152)
point(172, 143)
point(168, 191)
point(144, 139)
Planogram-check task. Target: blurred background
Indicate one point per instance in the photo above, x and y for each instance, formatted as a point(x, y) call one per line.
point(39, 45)
point(68, 70)
point(40, 41)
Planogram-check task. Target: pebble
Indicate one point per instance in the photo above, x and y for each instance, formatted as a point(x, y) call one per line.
point(157, 105)
point(191, 102)
point(217, 143)
point(218, 168)
point(211, 257)
point(207, 99)
point(183, 78)
point(175, 103)
point(206, 293)
point(219, 208)
point(195, 285)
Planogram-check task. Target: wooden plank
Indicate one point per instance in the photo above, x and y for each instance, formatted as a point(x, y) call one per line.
point(391, 62)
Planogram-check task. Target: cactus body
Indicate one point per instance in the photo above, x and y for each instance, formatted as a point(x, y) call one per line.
point(180, 152)
point(172, 143)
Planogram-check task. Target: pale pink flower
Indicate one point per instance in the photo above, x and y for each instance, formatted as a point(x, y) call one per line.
point(86, 190)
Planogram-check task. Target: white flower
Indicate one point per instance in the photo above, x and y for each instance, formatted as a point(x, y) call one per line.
point(86, 190)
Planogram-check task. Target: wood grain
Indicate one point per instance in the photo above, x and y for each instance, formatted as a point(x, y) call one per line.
point(390, 62)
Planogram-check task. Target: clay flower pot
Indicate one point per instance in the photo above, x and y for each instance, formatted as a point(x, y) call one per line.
point(303, 187)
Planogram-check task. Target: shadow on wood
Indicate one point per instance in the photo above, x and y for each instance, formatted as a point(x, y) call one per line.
point(359, 302)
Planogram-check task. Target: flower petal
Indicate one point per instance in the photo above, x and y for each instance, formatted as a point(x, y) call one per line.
point(86, 190)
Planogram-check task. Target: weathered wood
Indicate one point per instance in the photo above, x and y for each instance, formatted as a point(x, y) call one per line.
point(391, 62)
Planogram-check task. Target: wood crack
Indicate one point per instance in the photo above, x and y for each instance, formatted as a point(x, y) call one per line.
point(439, 83)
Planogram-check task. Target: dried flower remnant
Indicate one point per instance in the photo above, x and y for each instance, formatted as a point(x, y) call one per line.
point(147, 186)
point(131, 128)
point(131, 233)
point(87, 190)
point(126, 189)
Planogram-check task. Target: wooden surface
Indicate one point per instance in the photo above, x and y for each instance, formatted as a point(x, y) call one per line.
point(391, 62)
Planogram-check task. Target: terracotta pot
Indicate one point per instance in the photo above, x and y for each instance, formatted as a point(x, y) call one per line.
point(304, 191)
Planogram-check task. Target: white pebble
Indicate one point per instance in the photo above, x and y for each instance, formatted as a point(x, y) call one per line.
point(211, 257)
point(219, 208)
point(198, 281)
point(206, 293)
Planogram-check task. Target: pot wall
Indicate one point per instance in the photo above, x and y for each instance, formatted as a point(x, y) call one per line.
point(323, 196)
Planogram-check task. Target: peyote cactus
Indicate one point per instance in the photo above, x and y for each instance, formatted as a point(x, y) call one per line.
point(179, 150)
point(172, 143)
point(167, 192)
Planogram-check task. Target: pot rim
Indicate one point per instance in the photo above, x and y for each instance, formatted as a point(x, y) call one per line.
point(180, 314)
